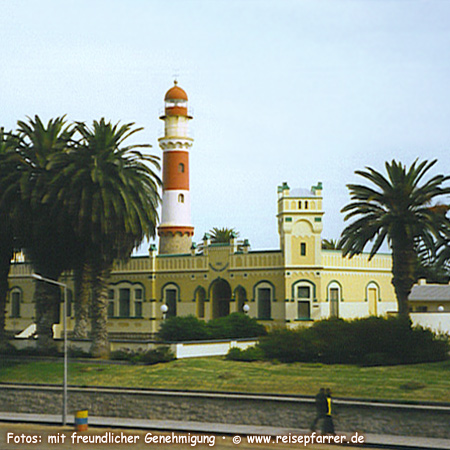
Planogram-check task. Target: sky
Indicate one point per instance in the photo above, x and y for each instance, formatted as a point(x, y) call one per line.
point(295, 90)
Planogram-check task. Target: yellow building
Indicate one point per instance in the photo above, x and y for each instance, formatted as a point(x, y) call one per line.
point(295, 284)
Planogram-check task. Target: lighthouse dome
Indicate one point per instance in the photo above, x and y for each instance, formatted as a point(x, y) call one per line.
point(175, 93)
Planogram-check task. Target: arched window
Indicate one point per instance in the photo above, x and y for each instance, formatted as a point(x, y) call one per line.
point(125, 300)
point(373, 296)
point(16, 300)
point(180, 198)
point(181, 168)
point(334, 296)
point(170, 296)
point(200, 296)
point(264, 297)
point(303, 292)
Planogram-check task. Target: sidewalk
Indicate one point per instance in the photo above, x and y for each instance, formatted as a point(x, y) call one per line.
point(371, 440)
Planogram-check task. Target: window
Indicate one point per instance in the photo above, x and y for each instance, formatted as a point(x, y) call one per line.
point(170, 299)
point(299, 205)
point(69, 303)
point(15, 304)
point(334, 294)
point(138, 294)
point(264, 307)
point(181, 168)
point(138, 309)
point(303, 310)
point(306, 204)
point(303, 249)
point(110, 294)
point(303, 292)
point(110, 309)
point(422, 309)
point(180, 198)
point(124, 302)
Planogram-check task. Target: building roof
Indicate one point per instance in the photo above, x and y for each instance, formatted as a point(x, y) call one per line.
point(430, 292)
point(175, 93)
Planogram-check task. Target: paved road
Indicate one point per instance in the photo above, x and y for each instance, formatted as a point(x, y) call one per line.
point(51, 438)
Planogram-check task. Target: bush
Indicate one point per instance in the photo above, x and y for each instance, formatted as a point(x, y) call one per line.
point(154, 356)
point(235, 325)
point(187, 328)
point(289, 345)
point(253, 353)
point(369, 341)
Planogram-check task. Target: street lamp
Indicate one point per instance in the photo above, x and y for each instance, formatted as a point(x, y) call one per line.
point(48, 280)
point(246, 308)
point(164, 309)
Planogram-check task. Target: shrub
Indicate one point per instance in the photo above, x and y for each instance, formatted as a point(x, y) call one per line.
point(253, 353)
point(235, 325)
point(183, 328)
point(153, 356)
point(369, 341)
point(189, 328)
point(289, 345)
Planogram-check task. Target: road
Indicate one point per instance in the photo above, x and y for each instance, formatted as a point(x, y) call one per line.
point(43, 437)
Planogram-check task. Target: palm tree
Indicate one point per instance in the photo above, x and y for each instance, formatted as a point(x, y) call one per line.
point(223, 235)
point(9, 204)
point(111, 193)
point(330, 244)
point(396, 208)
point(47, 238)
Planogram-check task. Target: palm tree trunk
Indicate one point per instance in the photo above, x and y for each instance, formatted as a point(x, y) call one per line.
point(100, 344)
point(5, 262)
point(47, 299)
point(83, 283)
point(404, 260)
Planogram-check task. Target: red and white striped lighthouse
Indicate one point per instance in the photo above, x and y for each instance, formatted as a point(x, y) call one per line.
point(175, 231)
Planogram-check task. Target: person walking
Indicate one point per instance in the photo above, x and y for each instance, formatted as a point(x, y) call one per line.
point(327, 424)
point(321, 408)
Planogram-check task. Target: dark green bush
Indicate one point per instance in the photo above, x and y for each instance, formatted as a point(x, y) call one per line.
point(253, 353)
point(153, 356)
point(235, 325)
point(369, 341)
point(183, 328)
point(189, 328)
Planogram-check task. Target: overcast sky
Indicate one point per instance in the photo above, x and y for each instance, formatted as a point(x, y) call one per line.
point(299, 91)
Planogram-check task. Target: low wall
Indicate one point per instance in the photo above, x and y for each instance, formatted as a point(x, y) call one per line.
point(194, 349)
point(436, 321)
point(277, 411)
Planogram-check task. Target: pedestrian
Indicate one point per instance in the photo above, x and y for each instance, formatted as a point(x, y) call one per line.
point(327, 424)
point(321, 408)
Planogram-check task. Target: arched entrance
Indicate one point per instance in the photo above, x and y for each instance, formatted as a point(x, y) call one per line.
point(240, 295)
point(220, 295)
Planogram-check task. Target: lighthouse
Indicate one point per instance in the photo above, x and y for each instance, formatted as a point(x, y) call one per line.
point(175, 230)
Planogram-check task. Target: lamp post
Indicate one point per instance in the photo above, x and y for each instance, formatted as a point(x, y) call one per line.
point(246, 308)
point(48, 280)
point(164, 309)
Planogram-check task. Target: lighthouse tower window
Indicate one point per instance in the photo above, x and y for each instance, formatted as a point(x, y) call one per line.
point(181, 168)
point(303, 249)
point(180, 198)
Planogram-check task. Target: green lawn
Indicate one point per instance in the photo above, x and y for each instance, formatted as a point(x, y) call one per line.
point(421, 382)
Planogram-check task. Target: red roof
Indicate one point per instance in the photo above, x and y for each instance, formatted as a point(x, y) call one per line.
point(175, 93)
